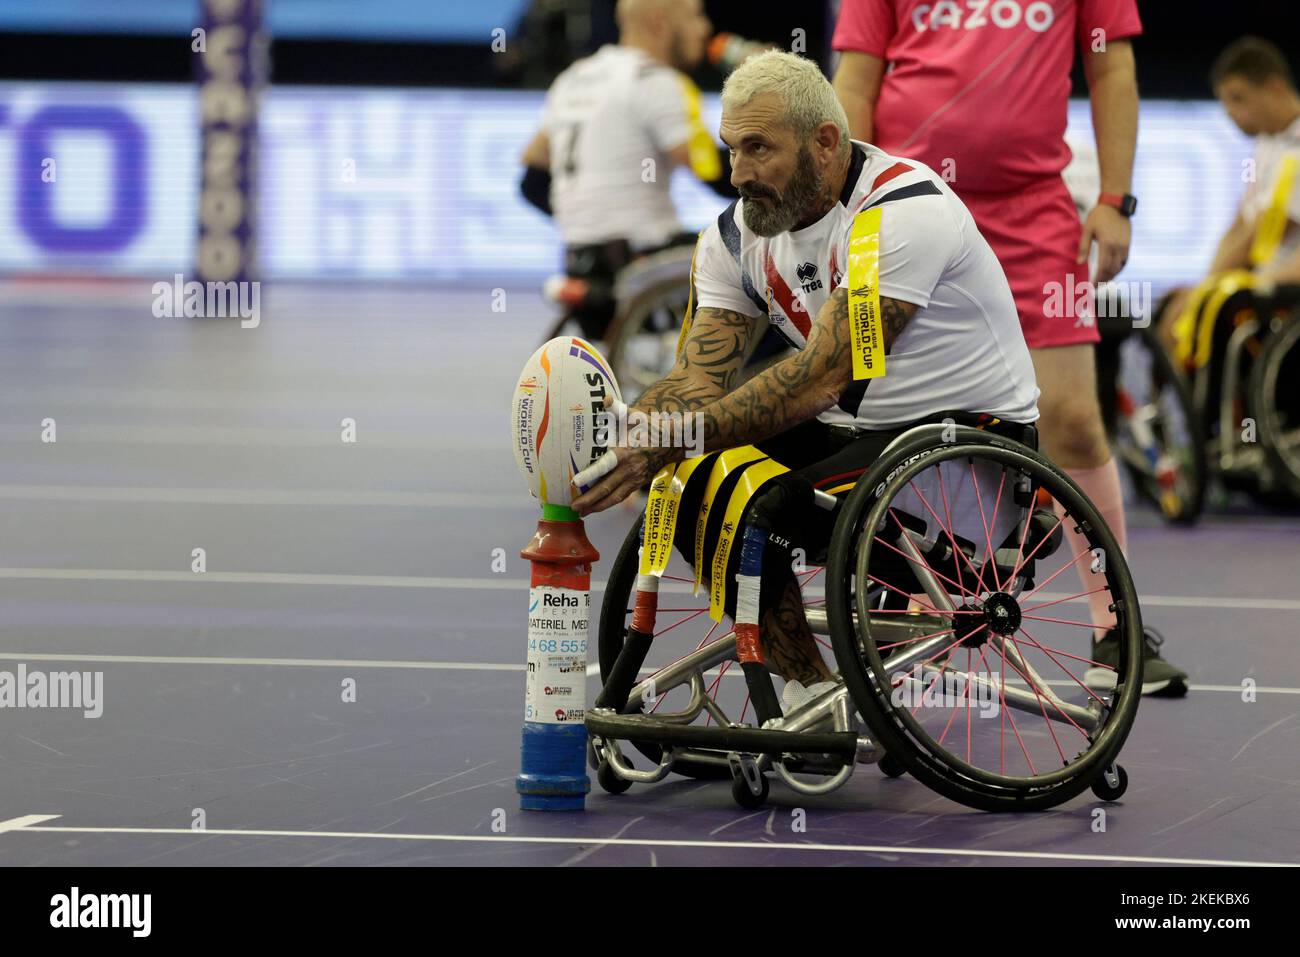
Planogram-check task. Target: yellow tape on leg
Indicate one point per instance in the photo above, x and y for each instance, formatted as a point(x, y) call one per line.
point(723, 465)
point(748, 484)
point(661, 514)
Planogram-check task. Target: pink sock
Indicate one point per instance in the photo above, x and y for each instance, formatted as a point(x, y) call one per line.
point(1102, 486)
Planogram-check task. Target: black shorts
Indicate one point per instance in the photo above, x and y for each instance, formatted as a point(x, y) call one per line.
point(830, 460)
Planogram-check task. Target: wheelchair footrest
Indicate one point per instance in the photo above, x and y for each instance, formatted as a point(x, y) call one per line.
point(635, 728)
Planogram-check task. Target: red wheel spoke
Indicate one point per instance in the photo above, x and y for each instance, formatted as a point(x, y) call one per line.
point(1058, 621)
point(1049, 652)
point(1069, 564)
point(948, 529)
point(1057, 601)
point(1020, 562)
point(707, 635)
point(907, 595)
point(988, 538)
point(908, 641)
point(1040, 698)
point(881, 541)
point(681, 622)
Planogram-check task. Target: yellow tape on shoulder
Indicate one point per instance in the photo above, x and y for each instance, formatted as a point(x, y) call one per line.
point(1271, 226)
point(749, 483)
point(722, 467)
point(661, 512)
point(690, 302)
point(866, 337)
point(705, 162)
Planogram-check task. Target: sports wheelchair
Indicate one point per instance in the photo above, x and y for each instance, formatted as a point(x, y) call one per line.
point(1225, 405)
point(961, 664)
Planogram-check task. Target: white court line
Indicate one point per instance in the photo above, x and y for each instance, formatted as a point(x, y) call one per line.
point(271, 662)
point(263, 496)
point(651, 842)
point(397, 665)
point(16, 823)
point(519, 585)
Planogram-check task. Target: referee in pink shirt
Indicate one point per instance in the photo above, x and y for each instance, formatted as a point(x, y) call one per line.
point(978, 90)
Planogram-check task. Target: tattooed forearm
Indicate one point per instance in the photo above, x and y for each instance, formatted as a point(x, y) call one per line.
point(709, 364)
point(894, 316)
point(801, 386)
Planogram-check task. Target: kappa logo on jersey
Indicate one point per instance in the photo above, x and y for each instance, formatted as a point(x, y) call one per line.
point(807, 274)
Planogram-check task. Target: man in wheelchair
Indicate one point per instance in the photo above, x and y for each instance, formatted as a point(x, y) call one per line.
point(614, 126)
point(1259, 255)
point(827, 234)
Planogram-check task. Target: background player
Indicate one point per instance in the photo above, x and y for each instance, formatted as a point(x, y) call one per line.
point(1252, 80)
point(613, 128)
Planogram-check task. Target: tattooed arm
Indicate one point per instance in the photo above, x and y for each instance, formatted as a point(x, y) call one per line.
point(801, 386)
point(710, 362)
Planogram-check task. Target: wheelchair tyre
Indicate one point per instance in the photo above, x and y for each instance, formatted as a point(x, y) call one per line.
point(1274, 402)
point(610, 782)
point(1102, 788)
point(891, 767)
point(858, 533)
point(746, 798)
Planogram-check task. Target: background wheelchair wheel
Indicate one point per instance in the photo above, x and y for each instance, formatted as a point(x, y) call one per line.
point(1156, 431)
point(1274, 403)
point(1022, 652)
point(642, 339)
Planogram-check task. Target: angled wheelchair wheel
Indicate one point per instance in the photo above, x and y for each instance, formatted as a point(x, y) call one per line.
point(984, 686)
point(690, 676)
point(1274, 403)
point(642, 339)
point(1156, 431)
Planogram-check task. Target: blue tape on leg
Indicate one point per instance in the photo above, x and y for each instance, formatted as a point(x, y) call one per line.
point(553, 767)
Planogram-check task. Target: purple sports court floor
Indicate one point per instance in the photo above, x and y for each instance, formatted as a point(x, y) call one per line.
point(372, 561)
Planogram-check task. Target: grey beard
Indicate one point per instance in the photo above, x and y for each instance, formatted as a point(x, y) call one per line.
point(802, 193)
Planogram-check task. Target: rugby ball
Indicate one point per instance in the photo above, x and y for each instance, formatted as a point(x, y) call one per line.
point(554, 416)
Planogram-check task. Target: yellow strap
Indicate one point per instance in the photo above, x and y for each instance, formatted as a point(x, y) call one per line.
point(867, 339)
point(1271, 225)
point(1227, 284)
point(705, 162)
point(749, 483)
point(1184, 327)
point(661, 514)
point(722, 467)
point(690, 302)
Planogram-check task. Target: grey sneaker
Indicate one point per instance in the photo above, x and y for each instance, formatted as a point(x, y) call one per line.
point(1159, 677)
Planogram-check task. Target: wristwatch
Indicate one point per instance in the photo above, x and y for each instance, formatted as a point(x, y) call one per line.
point(1126, 204)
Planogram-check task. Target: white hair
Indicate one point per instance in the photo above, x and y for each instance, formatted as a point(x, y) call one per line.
point(809, 98)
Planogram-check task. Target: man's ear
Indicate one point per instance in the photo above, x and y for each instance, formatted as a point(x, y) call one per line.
point(827, 138)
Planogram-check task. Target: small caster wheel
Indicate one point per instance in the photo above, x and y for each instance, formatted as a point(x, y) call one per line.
point(891, 767)
point(1111, 784)
point(609, 780)
point(747, 798)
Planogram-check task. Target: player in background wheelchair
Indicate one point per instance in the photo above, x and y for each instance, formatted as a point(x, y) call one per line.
point(1234, 334)
point(614, 127)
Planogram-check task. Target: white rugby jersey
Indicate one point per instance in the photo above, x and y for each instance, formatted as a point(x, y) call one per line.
point(1270, 151)
point(962, 350)
point(611, 118)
